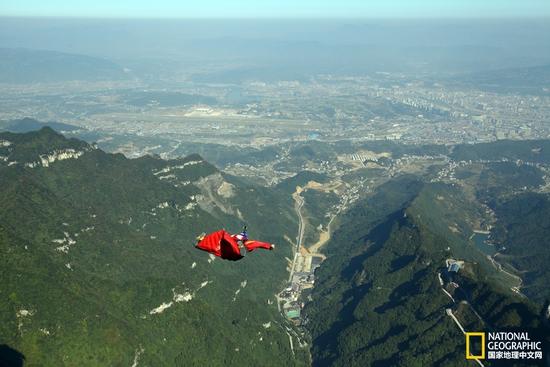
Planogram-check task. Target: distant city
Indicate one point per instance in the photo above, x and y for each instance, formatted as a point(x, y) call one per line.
point(326, 108)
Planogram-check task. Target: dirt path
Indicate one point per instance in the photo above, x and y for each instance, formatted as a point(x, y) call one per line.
point(324, 237)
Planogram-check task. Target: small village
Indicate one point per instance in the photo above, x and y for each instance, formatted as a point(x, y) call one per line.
point(302, 277)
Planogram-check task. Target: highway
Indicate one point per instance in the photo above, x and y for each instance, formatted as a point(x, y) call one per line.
point(298, 204)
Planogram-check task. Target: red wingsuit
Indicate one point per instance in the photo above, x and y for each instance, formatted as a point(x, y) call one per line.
point(222, 244)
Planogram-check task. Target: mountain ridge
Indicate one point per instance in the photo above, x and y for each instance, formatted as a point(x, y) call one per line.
point(19, 66)
point(100, 265)
point(383, 296)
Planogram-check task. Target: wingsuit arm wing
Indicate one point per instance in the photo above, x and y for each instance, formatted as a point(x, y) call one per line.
point(251, 245)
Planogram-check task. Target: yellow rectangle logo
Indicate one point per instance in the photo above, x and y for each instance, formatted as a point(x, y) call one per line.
point(470, 355)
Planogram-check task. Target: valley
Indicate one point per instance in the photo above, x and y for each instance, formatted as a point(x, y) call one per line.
point(384, 226)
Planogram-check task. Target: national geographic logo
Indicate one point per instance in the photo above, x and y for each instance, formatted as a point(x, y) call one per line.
point(504, 345)
point(472, 343)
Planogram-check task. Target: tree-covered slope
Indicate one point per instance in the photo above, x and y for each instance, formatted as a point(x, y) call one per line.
point(99, 268)
point(523, 231)
point(537, 151)
point(380, 298)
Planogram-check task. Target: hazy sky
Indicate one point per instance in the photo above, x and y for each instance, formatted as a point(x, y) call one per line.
point(277, 8)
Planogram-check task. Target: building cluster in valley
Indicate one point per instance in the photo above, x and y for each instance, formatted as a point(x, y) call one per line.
point(302, 278)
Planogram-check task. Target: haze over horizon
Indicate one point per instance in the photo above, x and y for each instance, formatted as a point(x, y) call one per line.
point(279, 9)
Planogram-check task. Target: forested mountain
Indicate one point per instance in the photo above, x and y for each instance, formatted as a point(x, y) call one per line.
point(26, 124)
point(98, 264)
point(383, 296)
point(524, 230)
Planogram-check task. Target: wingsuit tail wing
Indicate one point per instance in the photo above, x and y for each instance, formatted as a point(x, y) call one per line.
point(220, 244)
point(230, 248)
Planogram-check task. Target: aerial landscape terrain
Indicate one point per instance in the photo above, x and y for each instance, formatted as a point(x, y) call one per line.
point(400, 167)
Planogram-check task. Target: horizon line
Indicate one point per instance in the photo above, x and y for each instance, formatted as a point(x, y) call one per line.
point(261, 17)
